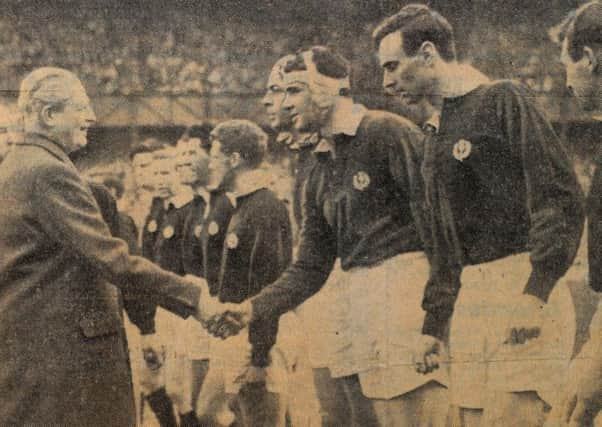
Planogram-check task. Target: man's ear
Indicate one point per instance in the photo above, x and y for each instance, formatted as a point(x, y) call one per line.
point(593, 62)
point(428, 52)
point(235, 159)
point(47, 115)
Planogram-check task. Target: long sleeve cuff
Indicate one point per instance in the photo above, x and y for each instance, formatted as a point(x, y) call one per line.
point(434, 325)
point(541, 282)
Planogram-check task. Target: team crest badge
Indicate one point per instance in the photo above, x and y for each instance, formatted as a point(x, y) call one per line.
point(232, 241)
point(462, 149)
point(168, 232)
point(361, 180)
point(197, 231)
point(152, 226)
point(213, 228)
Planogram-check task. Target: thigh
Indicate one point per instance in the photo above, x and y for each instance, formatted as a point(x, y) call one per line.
point(334, 408)
point(426, 406)
point(466, 417)
point(362, 408)
point(521, 409)
point(259, 408)
point(199, 369)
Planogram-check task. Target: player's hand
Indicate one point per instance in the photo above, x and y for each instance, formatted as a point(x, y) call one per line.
point(527, 318)
point(427, 350)
point(252, 374)
point(231, 320)
point(583, 398)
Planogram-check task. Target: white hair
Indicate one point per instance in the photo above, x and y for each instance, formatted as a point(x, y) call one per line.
point(44, 86)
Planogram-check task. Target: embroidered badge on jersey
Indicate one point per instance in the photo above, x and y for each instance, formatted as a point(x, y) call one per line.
point(197, 231)
point(361, 180)
point(168, 232)
point(152, 226)
point(462, 149)
point(213, 228)
point(232, 241)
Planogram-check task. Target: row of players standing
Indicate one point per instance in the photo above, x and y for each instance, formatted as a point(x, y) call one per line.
point(477, 222)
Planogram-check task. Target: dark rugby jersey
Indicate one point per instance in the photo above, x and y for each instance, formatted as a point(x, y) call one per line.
point(256, 248)
point(167, 247)
point(498, 182)
point(302, 158)
point(361, 204)
point(595, 226)
point(152, 227)
point(213, 234)
point(192, 253)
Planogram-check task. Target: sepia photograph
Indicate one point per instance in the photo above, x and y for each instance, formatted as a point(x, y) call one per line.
point(271, 213)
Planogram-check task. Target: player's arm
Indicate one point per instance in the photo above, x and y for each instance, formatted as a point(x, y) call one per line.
point(308, 273)
point(272, 252)
point(553, 195)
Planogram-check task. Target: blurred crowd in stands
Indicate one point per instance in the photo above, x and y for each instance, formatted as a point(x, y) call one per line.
point(120, 56)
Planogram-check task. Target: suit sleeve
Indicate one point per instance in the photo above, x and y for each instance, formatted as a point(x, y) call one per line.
point(308, 273)
point(554, 198)
point(271, 256)
point(69, 214)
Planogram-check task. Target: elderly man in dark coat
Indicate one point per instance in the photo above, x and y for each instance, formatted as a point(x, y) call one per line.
point(63, 359)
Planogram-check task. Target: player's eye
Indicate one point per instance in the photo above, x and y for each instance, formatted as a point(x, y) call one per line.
point(391, 66)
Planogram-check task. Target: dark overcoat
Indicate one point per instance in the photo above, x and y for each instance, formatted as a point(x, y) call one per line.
point(63, 358)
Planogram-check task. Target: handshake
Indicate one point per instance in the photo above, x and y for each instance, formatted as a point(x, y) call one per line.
point(222, 320)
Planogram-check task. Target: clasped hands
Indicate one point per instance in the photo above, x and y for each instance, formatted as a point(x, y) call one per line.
point(222, 320)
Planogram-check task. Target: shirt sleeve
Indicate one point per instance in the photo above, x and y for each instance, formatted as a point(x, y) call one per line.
point(440, 245)
point(272, 253)
point(553, 196)
point(595, 229)
point(315, 259)
point(72, 217)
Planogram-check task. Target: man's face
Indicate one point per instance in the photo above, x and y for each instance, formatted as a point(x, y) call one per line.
point(192, 162)
point(71, 123)
point(581, 80)
point(272, 101)
point(143, 171)
point(408, 78)
point(220, 166)
point(165, 177)
point(299, 104)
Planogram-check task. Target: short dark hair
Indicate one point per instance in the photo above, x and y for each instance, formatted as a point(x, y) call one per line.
point(149, 145)
point(328, 62)
point(417, 24)
point(201, 132)
point(583, 29)
point(243, 137)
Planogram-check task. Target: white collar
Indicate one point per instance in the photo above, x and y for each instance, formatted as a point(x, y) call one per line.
point(247, 183)
point(204, 193)
point(346, 118)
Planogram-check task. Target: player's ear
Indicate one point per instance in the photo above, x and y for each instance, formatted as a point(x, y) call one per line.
point(593, 62)
point(235, 159)
point(428, 53)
